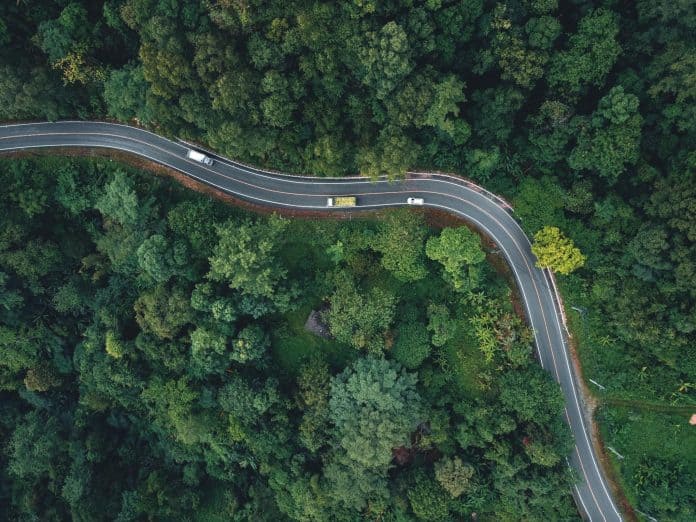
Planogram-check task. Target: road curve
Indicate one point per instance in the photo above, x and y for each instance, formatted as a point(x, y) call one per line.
point(485, 210)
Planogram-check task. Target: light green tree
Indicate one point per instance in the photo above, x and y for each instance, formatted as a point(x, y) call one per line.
point(121, 203)
point(161, 259)
point(392, 154)
point(41, 377)
point(163, 311)
point(209, 351)
point(557, 252)
point(245, 258)
point(113, 345)
point(251, 344)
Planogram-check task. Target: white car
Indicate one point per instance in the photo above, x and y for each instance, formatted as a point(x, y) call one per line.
point(414, 201)
point(199, 157)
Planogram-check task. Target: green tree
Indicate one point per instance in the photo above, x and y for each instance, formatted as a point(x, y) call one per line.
point(517, 61)
point(412, 345)
point(482, 163)
point(539, 203)
point(542, 31)
point(391, 156)
point(440, 324)
point(374, 407)
point(357, 318)
point(400, 240)
point(9, 299)
point(313, 397)
point(428, 500)
point(555, 251)
point(277, 106)
point(675, 89)
point(531, 395)
point(610, 140)
point(453, 475)
point(36, 450)
point(66, 33)
point(447, 95)
point(458, 249)
point(549, 135)
point(73, 191)
point(31, 92)
point(385, 59)
point(354, 486)
point(195, 220)
point(125, 94)
point(493, 112)
point(590, 55)
point(4, 33)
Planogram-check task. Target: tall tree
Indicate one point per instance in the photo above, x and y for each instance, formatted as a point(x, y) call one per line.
point(374, 407)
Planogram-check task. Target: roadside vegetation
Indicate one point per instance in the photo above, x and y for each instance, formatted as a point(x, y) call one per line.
point(582, 112)
point(655, 451)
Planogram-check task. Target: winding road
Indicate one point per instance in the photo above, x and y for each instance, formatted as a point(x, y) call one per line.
point(485, 210)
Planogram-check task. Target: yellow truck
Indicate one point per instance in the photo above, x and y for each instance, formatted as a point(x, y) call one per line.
point(342, 201)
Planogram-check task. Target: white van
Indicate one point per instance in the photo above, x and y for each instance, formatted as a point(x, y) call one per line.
point(199, 157)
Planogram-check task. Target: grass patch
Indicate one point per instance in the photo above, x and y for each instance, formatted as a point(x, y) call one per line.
point(293, 345)
point(658, 469)
point(466, 361)
point(635, 432)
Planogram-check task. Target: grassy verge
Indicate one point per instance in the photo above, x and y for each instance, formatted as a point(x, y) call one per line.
point(640, 416)
point(625, 372)
point(657, 458)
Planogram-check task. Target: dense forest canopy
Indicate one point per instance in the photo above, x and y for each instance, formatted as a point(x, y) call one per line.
point(154, 363)
point(583, 112)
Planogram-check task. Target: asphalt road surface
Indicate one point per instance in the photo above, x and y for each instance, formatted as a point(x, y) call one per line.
point(485, 210)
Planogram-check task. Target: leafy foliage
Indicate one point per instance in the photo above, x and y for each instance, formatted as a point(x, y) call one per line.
point(459, 250)
point(144, 376)
point(582, 114)
point(374, 407)
point(360, 320)
point(555, 251)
